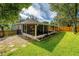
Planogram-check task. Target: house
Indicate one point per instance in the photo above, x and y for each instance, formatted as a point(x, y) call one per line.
point(34, 29)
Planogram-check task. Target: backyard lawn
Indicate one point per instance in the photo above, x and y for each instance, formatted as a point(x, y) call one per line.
point(59, 44)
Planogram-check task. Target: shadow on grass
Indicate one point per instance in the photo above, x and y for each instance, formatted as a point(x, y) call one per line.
point(50, 42)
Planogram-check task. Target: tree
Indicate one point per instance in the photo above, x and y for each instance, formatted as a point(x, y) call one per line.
point(68, 11)
point(9, 12)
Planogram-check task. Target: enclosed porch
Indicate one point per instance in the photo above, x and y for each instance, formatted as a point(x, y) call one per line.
point(35, 31)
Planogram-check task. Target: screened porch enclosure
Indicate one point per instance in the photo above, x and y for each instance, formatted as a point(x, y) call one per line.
point(35, 29)
point(31, 29)
point(42, 29)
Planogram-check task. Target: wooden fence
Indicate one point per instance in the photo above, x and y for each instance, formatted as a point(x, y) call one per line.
point(78, 28)
point(7, 33)
point(65, 29)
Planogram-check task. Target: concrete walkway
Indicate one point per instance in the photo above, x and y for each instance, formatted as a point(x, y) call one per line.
point(11, 43)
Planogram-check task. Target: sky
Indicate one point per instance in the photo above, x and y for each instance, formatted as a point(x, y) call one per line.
point(42, 11)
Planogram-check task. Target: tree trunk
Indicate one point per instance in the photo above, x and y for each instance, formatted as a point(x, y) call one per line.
point(74, 27)
point(2, 32)
point(75, 19)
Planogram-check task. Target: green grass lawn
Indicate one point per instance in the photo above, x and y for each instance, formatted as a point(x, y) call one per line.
point(59, 44)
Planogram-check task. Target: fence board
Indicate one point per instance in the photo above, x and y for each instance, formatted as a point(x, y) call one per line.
point(8, 33)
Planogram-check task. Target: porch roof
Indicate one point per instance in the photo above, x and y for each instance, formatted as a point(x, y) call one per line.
point(33, 22)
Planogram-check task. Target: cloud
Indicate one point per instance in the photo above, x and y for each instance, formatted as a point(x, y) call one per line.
point(39, 10)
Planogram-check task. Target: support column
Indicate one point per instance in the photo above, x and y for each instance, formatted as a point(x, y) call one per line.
point(58, 27)
point(19, 29)
point(35, 30)
point(47, 29)
point(43, 29)
point(26, 28)
point(54, 28)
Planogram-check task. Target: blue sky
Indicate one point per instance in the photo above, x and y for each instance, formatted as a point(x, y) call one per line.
point(41, 11)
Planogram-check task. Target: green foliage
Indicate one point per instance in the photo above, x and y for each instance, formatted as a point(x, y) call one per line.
point(9, 12)
point(68, 11)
